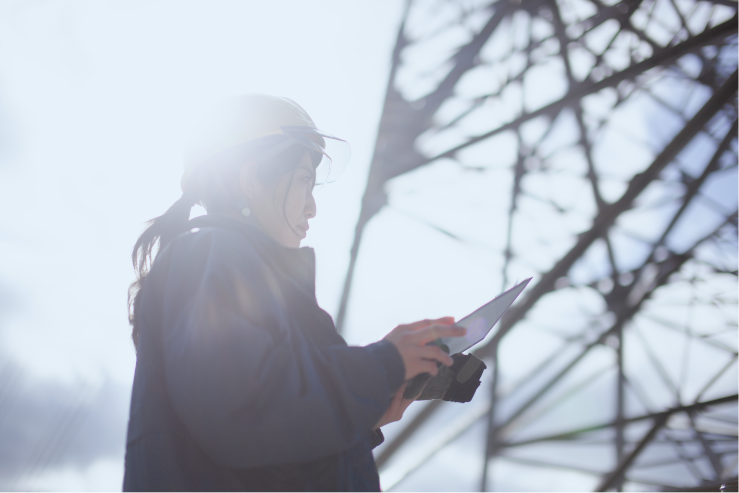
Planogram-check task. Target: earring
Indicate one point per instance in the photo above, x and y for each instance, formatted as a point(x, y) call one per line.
point(245, 211)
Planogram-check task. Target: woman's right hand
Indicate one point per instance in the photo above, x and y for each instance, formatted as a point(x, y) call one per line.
point(411, 342)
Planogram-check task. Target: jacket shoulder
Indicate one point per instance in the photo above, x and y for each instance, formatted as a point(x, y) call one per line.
point(212, 245)
point(211, 265)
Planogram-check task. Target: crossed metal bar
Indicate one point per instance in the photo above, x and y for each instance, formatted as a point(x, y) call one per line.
point(395, 154)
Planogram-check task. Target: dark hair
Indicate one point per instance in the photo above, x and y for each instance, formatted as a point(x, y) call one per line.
point(217, 189)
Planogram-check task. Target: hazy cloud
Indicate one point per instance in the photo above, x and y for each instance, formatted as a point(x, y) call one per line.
point(46, 425)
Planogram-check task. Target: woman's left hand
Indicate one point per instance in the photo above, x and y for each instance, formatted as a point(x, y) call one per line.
point(396, 409)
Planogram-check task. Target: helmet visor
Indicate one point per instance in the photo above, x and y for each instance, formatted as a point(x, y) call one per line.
point(330, 154)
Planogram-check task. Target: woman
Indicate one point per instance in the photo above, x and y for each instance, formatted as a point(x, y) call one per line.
point(242, 382)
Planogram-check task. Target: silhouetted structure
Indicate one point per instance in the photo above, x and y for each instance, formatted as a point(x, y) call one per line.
point(614, 128)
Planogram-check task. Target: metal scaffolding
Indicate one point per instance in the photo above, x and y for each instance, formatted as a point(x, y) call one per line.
point(614, 127)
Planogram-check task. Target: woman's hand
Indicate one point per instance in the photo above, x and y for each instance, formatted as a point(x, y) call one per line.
point(411, 342)
point(396, 409)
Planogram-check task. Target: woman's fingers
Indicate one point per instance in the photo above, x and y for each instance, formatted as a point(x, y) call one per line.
point(428, 366)
point(416, 325)
point(432, 352)
point(436, 331)
point(437, 354)
point(425, 323)
point(411, 340)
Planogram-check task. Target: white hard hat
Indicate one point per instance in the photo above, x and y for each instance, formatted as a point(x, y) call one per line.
point(236, 123)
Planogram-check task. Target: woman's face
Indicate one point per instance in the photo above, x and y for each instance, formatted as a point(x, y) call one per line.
point(283, 209)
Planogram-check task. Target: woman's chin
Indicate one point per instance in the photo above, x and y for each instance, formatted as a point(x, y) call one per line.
point(295, 241)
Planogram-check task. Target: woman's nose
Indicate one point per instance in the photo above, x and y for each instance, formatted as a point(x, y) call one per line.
point(310, 206)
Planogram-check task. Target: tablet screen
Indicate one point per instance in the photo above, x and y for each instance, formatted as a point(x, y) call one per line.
point(482, 320)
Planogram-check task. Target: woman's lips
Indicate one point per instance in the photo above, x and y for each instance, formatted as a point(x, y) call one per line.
point(303, 227)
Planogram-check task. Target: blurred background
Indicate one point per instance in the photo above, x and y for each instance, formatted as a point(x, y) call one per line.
point(590, 144)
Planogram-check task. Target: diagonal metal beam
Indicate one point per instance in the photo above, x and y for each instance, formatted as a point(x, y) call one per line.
point(401, 124)
point(665, 273)
point(612, 478)
point(666, 56)
point(666, 269)
point(608, 215)
point(374, 197)
point(403, 114)
point(464, 60)
point(696, 406)
point(694, 186)
point(728, 3)
point(712, 456)
point(706, 486)
point(671, 265)
point(406, 433)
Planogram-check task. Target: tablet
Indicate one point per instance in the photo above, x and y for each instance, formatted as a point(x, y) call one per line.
point(480, 322)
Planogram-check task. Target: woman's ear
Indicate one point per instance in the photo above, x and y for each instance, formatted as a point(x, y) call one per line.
point(249, 182)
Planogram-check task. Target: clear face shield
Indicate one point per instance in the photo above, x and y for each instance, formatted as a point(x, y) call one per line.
point(329, 154)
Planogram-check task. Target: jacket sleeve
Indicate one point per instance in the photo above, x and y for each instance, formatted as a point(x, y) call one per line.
point(248, 393)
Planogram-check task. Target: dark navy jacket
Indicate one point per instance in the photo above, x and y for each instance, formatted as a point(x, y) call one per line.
point(242, 382)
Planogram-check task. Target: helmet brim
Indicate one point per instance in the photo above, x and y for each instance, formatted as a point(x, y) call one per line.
point(334, 153)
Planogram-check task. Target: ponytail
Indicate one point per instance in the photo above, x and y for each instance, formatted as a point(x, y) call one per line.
point(158, 233)
point(218, 190)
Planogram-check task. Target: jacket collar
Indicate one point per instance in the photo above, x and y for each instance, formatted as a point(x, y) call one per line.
point(297, 263)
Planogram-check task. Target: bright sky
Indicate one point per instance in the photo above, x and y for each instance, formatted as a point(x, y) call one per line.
point(92, 99)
